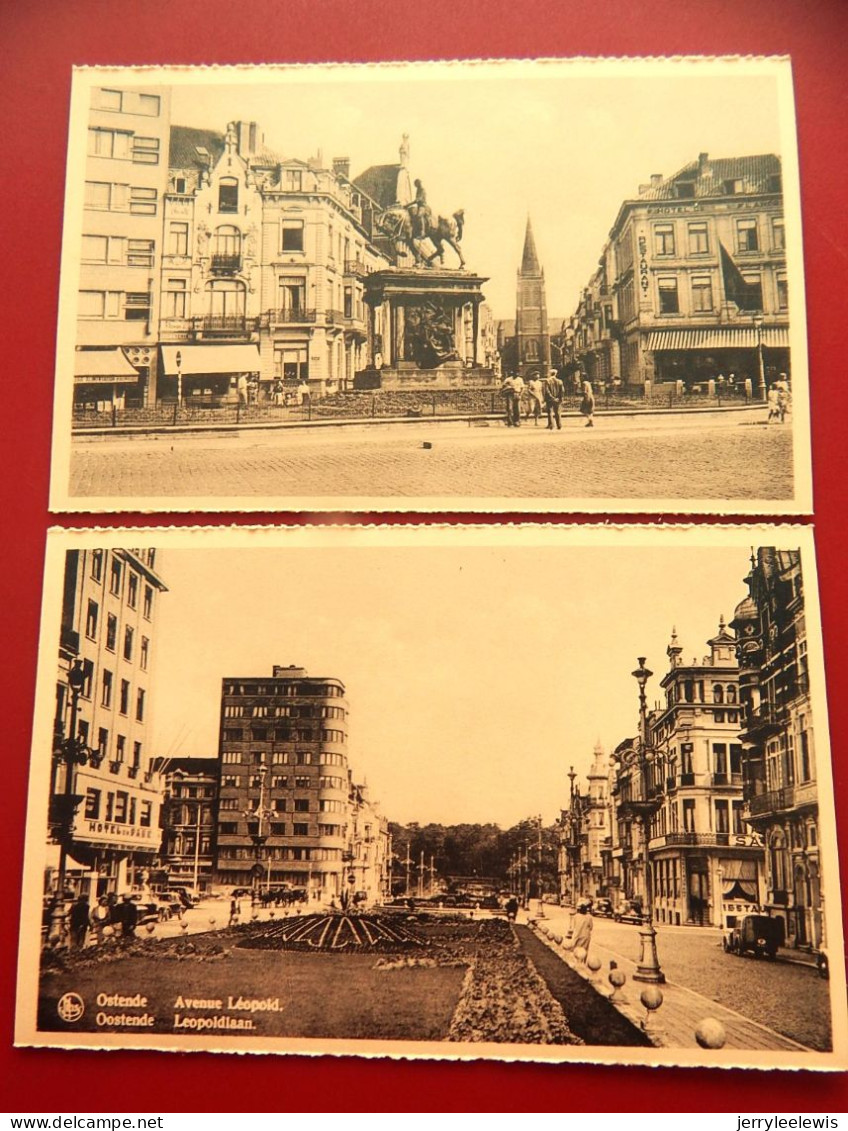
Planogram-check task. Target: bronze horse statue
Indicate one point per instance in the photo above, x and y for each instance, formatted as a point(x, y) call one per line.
point(399, 226)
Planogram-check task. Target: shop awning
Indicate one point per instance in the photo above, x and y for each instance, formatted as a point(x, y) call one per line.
point(719, 338)
point(210, 359)
point(103, 365)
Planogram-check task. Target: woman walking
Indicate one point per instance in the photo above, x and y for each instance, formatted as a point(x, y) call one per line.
point(587, 404)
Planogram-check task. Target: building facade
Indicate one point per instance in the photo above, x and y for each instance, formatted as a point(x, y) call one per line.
point(126, 175)
point(692, 284)
point(779, 765)
point(289, 809)
point(706, 861)
point(189, 820)
point(105, 803)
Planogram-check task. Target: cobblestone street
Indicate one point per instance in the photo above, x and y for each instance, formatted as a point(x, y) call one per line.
point(621, 458)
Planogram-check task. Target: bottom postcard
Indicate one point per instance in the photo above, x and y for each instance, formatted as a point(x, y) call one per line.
point(513, 792)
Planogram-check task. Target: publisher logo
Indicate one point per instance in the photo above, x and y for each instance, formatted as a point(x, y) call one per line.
point(70, 1007)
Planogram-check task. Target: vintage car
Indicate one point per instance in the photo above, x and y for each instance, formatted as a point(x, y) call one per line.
point(760, 935)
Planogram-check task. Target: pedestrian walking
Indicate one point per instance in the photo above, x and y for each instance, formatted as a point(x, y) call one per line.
point(582, 925)
point(534, 398)
point(235, 912)
point(304, 397)
point(241, 387)
point(128, 916)
point(587, 404)
point(520, 388)
point(79, 921)
point(100, 918)
point(554, 391)
point(512, 909)
point(782, 386)
point(510, 401)
point(773, 404)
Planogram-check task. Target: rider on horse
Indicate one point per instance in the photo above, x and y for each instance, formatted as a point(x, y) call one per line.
point(420, 212)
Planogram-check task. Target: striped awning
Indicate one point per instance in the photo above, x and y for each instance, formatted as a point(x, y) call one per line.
point(103, 365)
point(718, 338)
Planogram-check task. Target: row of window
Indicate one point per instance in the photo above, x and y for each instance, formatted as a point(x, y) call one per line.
point(117, 574)
point(290, 734)
point(128, 306)
point(124, 695)
point(119, 807)
point(289, 690)
point(127, 102)
point(260, 710)
point(274, 852)
point(118, 251)
point(681, 817)
point(92, 619)
point(105, 196)
point(117, 757)
point(701, 291)
point(747, 232)
point(123, 145)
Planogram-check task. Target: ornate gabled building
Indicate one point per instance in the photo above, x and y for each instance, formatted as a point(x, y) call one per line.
point(780, 776)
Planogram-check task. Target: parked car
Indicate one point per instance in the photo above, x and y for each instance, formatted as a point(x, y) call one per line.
point(602, 907)
point(823, 964)
point(759, 935)
point(629, 912)
point(168, 905)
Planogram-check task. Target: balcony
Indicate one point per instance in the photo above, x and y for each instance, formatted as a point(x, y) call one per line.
point(334, 318)
point(783, 800)
point(356, 268)
point(297, 315)
point(225, 264)
point(699, 840)
point(670, 784)
point(224, 326)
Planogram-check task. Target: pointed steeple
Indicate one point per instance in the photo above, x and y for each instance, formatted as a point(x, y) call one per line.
point(530, 260)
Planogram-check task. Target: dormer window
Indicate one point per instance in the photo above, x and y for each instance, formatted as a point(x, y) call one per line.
point(733, 187)
point(228, 194)
point(685, 189)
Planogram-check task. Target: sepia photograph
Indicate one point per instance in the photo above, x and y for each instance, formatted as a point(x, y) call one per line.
point(565, 285)
point(517, 793)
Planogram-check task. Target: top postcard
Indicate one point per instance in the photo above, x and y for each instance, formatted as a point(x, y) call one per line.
point(504, 286)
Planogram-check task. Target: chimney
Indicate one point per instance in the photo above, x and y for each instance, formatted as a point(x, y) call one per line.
point(341, 167)
point(703, 164)
point(656, 180)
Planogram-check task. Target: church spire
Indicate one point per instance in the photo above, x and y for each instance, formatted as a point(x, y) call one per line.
point(530, 260)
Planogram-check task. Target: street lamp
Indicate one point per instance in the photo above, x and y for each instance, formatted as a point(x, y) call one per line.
point(259, 814)
point(179, 360)
point(643, 809)
point(761, 371)
point(69, 752)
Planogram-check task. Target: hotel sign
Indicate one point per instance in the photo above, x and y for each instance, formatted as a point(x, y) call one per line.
point(111, 832)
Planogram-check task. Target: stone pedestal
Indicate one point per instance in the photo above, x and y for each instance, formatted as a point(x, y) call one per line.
point(423, 329)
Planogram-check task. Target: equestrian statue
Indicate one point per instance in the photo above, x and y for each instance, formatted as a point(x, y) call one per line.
point(412, 224)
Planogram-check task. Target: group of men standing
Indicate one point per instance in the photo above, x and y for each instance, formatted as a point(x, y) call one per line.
point(538, 392)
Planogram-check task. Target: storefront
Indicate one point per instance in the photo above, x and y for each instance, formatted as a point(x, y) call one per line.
point(724, 354)
point(206, 374)
point(105, 381)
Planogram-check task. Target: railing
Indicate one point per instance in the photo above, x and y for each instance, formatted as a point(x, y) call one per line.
point(297, 314)
point(783, 799)
point(708, 840)
point(226, 263)
point(224, 324)
point(334, 317)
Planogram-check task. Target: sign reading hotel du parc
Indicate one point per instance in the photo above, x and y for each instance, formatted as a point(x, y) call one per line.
point(354, 308)
point(658, 884)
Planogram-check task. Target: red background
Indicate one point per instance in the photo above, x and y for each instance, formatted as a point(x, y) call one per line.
point(41, 42)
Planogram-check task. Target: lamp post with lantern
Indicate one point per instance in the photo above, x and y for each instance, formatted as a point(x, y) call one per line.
point(69, 752)
point(643, 808)
point(257, 819)
point(761, 370)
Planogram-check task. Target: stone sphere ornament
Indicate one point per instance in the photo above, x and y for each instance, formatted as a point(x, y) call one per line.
point(580, 953)
point(271, 914)
point(150, 928)
point(594, 964)
point(652, 998)
point(616, 979)
point(211, 920)
point(183, 926)
point(711, 1034)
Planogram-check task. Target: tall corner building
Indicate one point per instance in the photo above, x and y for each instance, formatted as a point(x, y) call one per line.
point(532, 340)
point(289, 811)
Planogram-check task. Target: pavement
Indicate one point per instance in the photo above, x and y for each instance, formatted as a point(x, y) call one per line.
point(683, 1008)
point(721, 456)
